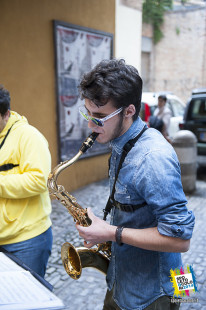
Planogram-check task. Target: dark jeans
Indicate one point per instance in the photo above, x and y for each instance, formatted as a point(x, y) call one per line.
point(162, 303)
point(34, 252)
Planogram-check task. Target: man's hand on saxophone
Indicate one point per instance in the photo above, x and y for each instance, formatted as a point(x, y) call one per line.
point(98, 232)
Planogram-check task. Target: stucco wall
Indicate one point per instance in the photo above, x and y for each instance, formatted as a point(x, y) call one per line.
point(27, 67)
point(128, 28)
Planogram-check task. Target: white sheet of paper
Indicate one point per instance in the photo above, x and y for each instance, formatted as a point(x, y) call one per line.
point(6, 264)
point(20, 290)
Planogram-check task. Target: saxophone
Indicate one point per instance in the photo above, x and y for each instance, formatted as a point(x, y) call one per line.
point(74, 259)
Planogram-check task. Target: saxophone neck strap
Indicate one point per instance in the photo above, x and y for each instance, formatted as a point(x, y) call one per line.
point(127, 147)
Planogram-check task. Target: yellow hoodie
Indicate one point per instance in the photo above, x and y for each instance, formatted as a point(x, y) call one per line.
point(25, 205)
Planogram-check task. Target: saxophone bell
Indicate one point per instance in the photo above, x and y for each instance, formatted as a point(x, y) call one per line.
point(75, 259)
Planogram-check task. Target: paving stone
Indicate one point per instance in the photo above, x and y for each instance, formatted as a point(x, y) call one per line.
point(88, 292)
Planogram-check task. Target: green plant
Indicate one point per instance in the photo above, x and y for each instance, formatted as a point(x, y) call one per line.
point(153, 13)
point(177, 30)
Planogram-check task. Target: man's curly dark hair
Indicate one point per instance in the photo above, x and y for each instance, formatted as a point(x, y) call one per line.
point(113, 80)
point(4, 100)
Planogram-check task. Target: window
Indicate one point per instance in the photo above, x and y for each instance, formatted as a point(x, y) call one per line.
point(177, 107)
point(198, 109)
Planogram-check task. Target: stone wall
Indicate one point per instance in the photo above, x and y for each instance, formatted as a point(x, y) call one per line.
point(178, 61)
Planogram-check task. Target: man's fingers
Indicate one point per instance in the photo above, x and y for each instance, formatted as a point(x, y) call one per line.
point(90, 213)
point(88, 244)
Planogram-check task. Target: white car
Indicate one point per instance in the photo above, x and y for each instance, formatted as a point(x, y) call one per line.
point(175, 104)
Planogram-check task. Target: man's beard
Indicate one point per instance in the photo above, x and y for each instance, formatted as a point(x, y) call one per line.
point(118, 131)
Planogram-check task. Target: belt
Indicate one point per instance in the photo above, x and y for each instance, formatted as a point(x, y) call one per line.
point(128, 207)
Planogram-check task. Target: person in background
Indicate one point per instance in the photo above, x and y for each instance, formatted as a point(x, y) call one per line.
point(25, 206)
point(164, 113)
point(150, 223)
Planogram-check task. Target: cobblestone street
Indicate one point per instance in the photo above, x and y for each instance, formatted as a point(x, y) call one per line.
point(88, 292)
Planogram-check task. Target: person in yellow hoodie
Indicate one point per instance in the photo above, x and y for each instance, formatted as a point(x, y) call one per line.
point(25, 206)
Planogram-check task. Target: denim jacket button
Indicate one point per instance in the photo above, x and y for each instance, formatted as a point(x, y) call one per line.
point(177, 230)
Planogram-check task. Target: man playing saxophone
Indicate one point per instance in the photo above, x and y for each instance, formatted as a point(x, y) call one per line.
point(150, 223)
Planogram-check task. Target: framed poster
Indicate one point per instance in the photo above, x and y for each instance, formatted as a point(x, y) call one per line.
point(77, 50)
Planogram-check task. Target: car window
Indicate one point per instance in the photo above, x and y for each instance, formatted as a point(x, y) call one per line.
point(177, 107)
point(198, 109)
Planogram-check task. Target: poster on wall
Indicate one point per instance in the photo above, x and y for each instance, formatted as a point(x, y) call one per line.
point(77, 50)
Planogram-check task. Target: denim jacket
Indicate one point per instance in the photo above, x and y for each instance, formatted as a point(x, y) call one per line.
point(150, 173)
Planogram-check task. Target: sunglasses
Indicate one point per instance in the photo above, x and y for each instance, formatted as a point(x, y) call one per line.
point(98, 121)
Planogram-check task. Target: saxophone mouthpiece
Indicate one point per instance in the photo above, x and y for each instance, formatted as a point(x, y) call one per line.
point(88, 142)
point(94, 135)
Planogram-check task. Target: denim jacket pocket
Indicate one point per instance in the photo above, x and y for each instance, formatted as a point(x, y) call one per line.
point(121, 193)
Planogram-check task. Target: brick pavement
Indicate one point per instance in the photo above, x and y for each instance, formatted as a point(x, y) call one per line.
point(88, 292)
